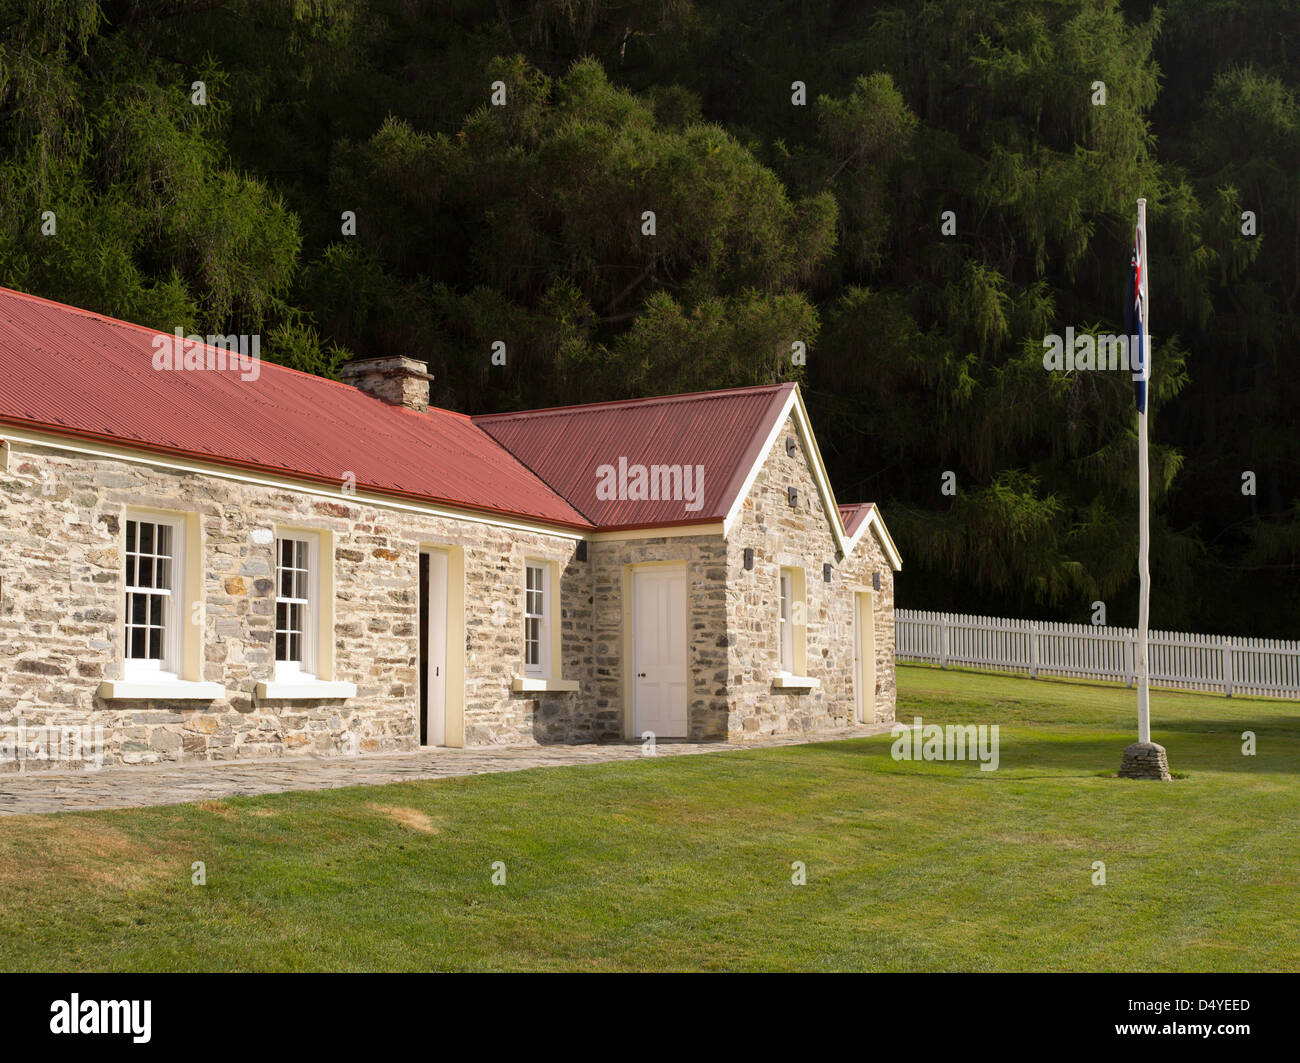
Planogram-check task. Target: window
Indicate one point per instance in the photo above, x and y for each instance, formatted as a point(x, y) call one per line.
point(542, 629)
point(154, 598)
point(304, 620)
point(787, 621)
point(162, 652)
point(792, 623)
point(537, 637)
point(295, 605)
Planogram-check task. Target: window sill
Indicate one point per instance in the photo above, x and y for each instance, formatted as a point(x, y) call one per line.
point(795, 682)
point(159, 690)
point(303, 689)
point(538, 683)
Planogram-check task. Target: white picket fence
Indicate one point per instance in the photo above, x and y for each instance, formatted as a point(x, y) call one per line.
point(1252, 667)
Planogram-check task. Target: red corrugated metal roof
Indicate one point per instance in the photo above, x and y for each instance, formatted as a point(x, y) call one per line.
point(76, 373)
point(720, 431)
point(72, 372)
point(853, 514)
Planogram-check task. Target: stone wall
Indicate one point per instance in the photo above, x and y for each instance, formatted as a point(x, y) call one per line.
point(800, 536)
point(705, 560)
point(61, 599)
point(733, 650)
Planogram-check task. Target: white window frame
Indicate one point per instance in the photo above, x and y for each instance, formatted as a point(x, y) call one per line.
point(307, 668)
point(541, 668)
point(174, 608)
point(786, 621)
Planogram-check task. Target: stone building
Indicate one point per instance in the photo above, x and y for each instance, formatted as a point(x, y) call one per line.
point(209, 558)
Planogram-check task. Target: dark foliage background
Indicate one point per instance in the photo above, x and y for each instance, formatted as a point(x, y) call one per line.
point(775, 223)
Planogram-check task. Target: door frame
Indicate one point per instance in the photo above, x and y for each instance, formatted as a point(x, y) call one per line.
point(437, 605)
point(864, 654)
point(630, 730)
point(454, 700)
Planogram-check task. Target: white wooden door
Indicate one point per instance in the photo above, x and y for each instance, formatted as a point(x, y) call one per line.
point(437, 652)
point(659, 651)
point(864, 654)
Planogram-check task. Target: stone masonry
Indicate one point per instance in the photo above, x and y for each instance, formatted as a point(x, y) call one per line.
point(799, 536)
point(707, 620)
point(61, 601)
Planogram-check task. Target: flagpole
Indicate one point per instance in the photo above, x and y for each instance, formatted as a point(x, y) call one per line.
point(1144, 494)
point(1144, 759)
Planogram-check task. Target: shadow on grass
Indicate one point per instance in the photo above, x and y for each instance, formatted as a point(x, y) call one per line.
point(1266, 726)
point(1072, 755)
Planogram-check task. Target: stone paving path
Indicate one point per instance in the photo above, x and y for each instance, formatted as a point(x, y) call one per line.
point(58, 791)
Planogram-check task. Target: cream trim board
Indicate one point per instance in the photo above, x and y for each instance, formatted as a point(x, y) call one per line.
point(625, 651)
point(539, 683)
point(738, 502)
point(864, 654)
point(108, 453)
point(819, 473)
point(161, 690)
point(794, 406)
point(675, 531)
point(287, 484)
point(303, 689)
point(874, 519)
point(555, 621)
point(325, 607)
point(194, 633)
point(453, 734)
point(876, 523)
point(799, 620)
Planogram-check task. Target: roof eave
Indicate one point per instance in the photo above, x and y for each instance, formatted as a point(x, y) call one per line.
point(665, 525)
point(291, 474)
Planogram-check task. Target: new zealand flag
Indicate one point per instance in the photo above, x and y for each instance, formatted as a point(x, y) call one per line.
point(1134, 316)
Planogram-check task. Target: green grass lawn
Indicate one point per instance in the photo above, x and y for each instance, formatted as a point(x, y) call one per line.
point(684, 863)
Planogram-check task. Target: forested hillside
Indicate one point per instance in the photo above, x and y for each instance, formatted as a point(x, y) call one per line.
point(783, 213)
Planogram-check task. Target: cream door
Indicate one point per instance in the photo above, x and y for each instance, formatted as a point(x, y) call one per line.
point(436, 659)
point(659, 651)
point(864, 653)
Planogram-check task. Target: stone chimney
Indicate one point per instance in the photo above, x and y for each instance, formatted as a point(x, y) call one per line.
point(397, 380)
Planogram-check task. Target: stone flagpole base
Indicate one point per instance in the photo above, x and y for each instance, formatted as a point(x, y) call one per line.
point(1145, 760)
